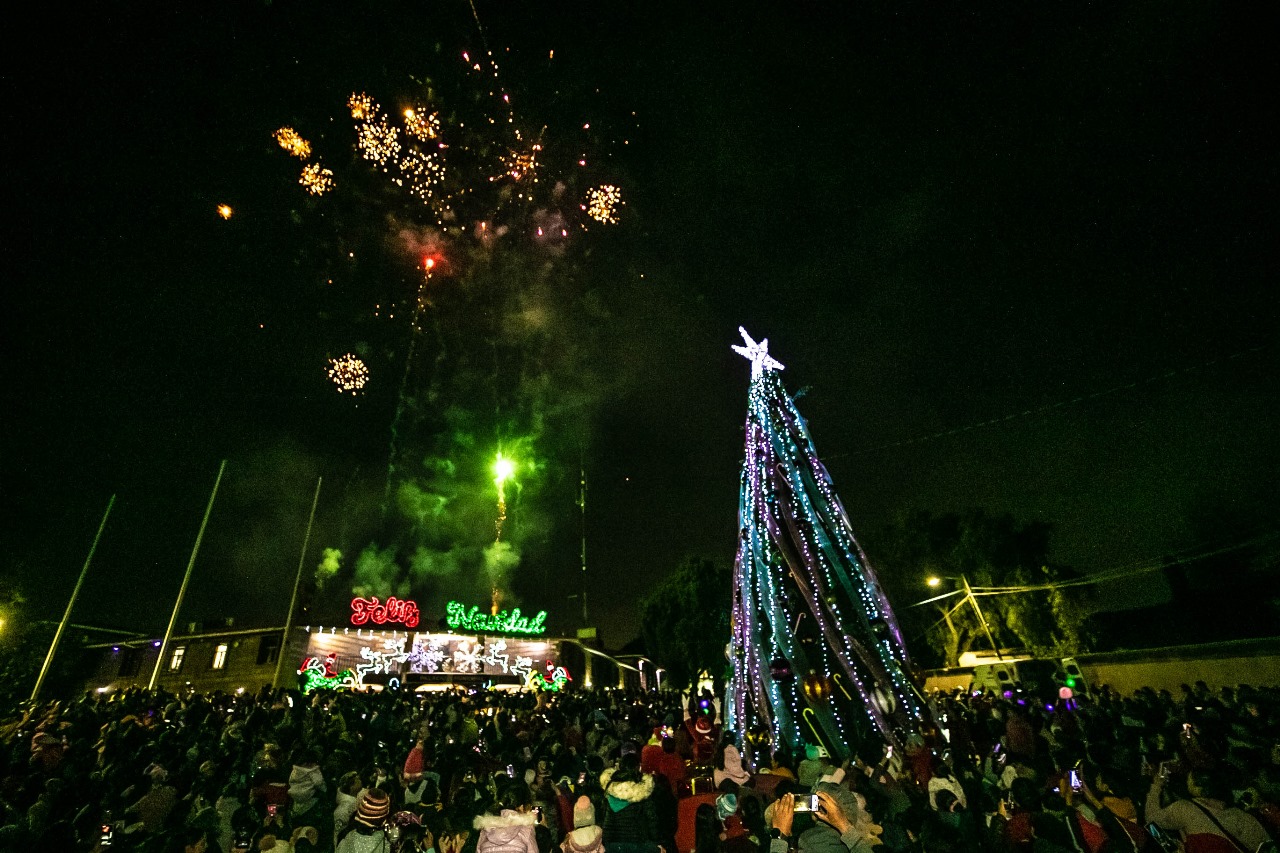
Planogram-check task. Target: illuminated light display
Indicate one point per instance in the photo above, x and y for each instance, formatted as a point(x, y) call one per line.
point(394, 611)
point(359, 659)
point(805, 598)
point(225, 211)
point(349, 373)
point(554, 681)
point(322, 675)
point(459, 618)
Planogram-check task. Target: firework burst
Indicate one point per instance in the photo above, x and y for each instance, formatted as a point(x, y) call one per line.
point(348, 373)
point(603, 202)
point(316, 179)
point(291, 141)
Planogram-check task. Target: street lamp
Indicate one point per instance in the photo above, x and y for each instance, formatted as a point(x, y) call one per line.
point(934, 581)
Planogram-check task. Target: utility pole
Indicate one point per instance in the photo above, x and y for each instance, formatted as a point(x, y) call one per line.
point(66, 617)
point(582, 506)
point(191, 564)
point(968, 592)
point(288, 620)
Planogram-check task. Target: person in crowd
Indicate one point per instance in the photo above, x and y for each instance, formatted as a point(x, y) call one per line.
point(843, 826)
point(366, 832)
point(586, 836)
point(630, 822)
point(707, 830)
point(1205, 818)
point(729, 769)
point(508, 827)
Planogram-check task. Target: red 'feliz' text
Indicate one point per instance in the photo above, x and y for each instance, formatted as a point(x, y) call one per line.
point(371, 610)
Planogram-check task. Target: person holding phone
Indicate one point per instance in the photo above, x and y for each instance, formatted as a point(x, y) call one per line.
point(841, 819)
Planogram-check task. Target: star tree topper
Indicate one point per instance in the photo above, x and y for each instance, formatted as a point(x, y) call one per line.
point(758, 354)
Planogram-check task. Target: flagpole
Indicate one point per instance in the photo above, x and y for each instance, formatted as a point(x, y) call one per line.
point(66, 617)
point(293, 600)
point(177, 605)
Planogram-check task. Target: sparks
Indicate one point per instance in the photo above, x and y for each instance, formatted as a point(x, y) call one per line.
point(348, 373)
point(316, 179)
point(290, 141)
point(603, 203)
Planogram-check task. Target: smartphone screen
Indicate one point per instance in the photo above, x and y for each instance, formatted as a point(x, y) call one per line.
point(1073, 779)
point(807, 804)
point(511, 771)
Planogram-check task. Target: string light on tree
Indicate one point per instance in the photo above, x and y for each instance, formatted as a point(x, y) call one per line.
point(348, 373)
point(805, 598)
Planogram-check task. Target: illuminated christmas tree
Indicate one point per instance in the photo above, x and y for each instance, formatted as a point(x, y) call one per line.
point(816, 652)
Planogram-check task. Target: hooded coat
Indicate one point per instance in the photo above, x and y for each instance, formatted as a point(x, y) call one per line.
point(630, 818)
point(506, 832)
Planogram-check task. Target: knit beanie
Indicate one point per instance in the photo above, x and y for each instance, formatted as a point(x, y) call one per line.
point(584, 814)
point(374, 807)
point(844, 799)
point(726, 805)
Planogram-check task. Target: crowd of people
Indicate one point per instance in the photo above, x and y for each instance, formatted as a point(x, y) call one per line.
point(613, 771)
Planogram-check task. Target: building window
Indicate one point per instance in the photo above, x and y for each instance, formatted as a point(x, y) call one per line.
point(220, 657)
point(175, 662)
point(268, 649)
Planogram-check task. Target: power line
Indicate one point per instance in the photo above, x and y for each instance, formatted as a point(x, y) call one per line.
point(1121, 573)
point(1051, 407)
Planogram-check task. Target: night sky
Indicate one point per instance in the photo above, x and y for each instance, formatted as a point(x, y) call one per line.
point(1021, 257)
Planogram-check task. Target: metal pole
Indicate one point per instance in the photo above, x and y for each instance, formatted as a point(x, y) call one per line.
point(582, 504)
point(288, 621)
point(191, 564)
point(983, 619)
point(66, 617)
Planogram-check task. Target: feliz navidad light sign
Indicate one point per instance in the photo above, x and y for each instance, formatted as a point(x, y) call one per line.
point(394, 612)
point(457, 616)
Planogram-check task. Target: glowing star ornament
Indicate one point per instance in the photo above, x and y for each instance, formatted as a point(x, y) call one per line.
point(757, 354)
